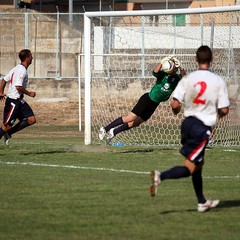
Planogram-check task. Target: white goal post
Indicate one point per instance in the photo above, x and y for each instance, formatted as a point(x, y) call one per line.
point(122, 47)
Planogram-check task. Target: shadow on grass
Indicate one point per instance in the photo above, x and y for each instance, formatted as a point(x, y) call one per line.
point(222, 204)
point(229, 204)
point(178, 211)
point(44, 152)
point(137, 151)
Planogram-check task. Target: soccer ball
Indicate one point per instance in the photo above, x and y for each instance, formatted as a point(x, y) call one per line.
point(168, 66)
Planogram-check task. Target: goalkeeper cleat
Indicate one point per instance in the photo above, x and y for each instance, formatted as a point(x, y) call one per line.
point(203, 207)
point(102, 133)
point(7, 138)
point(155, 176)
point(110, 136)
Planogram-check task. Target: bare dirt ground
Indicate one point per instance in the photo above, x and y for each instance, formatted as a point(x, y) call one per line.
point(56, 113)
point(61, 113)
point(53, 113)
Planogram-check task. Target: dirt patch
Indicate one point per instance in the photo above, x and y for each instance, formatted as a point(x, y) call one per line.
point(56, 113)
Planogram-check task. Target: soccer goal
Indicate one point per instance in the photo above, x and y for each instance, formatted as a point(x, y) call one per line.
point(121, 49)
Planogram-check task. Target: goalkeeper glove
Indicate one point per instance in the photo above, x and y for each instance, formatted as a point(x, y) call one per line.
point(176, 62)
point(166, 59)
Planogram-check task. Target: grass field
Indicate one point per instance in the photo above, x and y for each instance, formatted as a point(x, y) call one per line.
point(54, 187)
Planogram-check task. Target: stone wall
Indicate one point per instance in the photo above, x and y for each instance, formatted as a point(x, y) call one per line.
point(48, 89)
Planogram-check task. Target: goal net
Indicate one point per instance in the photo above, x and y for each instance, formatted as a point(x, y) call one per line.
point(124, 48)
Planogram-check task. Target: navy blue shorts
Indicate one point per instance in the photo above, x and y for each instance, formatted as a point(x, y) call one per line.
point(145, 107)
point(16, 109)
point(194, 138)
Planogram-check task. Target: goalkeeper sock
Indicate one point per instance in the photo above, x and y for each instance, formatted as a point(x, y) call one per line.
point(122, 128)
point(175, 173)
point(114, 123)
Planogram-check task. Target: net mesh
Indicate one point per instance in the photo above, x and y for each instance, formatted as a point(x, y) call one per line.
point(124, 51)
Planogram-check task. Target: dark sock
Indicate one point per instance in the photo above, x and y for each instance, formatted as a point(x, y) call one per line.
point(19, 126)
point(122, 128)
point(198, 186)
point(1, 132)
point(175, 173)
point(114, 123)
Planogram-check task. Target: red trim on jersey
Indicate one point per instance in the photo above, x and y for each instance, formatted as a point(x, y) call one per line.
point(11, 79)
point(196, 151)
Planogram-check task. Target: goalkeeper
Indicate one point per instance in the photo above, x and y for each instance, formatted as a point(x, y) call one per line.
point(148, 102)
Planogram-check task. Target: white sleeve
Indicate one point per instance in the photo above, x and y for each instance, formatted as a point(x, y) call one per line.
point(179, 92)
point(19, 78)
point(223, 100)
point(7, 77)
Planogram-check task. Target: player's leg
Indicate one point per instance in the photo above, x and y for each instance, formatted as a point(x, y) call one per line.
point(103, 130)
point(173, 173)
point(10, 114)
point(194, 140)
point(26, 122)
point(118, 121)
point(121, 120)
point(26, 119)
point(4, 129)
point(129, 121)
point(137, 109)
point(132, 116)
point(198, 184)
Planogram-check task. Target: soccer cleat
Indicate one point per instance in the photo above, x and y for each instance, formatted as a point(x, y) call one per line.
point(7, 138)
point(110, 136)
point(155, 176)
point(102, 133)
point(202, 207)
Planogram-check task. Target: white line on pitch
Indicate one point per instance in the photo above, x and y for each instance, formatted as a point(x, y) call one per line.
point(92, 168)
point(73, 167)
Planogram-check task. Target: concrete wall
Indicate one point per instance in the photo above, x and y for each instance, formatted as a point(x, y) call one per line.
point(51, 88)
point(55, 45)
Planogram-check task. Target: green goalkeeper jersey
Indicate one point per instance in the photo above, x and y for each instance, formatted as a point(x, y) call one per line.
point(164, 86)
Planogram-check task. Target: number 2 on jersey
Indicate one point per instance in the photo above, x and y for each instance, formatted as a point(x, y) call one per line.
point(203, 87)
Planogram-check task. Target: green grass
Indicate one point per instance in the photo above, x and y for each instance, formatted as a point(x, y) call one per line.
point(74, 192)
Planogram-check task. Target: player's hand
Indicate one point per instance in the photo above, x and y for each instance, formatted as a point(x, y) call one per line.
point(32, 94)
point(2, 97)
point(166, 59)
point(176, 62)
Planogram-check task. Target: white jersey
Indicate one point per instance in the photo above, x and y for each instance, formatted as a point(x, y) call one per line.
point(203, 93)
point(18, 76)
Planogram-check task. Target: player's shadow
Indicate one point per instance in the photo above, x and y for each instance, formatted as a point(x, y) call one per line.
point(229, 204)
point(146, 150)
point(222, 204)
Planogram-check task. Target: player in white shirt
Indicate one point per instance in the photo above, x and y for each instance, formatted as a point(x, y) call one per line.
point(205, 97)
point(15, 105)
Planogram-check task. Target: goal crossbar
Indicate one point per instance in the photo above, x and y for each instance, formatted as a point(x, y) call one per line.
point(163, 11)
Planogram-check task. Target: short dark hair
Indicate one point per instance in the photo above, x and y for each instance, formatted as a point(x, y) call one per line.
point(204, 55)
point(23, 54)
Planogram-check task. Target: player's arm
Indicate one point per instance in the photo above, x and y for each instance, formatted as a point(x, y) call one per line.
point(223, 100)
point(179, 66)
point(182, 72)
point(158, 67)
point(25, 91)
point(176, 106)
point(223, 111)
point(2, 87)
